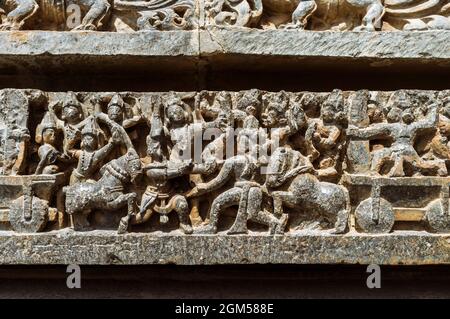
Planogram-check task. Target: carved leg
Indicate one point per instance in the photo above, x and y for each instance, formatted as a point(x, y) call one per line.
point(279, 197)
point(229, 198)
point(119, 202)
point(80, 220)
point(276, 226)
point(301, 14)
point(94, 16)
point(194, 215)
point(182, 209)
point(253, 200)
point(375, 12)
point(16, 18)
point(341, 223)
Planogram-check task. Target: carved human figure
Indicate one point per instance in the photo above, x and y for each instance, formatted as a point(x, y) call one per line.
point(13, 141)
point(283, 118)
point(90, 156)
point(50, 157)
point(323, 136)
point(246, 193)
point(403, 131)
point(439, 147)
point(161, 192)
point(71, 123)
point(180, 130)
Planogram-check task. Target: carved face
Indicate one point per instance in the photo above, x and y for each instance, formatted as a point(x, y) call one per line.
point(270, 118)
point(115, 113)
point(71, 114)
point(251, 110)
point(89, 142)
point(327, 114)
point(407, 116)
point(176, 113)
point(394, 115)
point(49, 136)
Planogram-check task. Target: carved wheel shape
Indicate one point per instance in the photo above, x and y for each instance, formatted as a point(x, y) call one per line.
point(437, 219)
point(364, 218)
point(38, 218)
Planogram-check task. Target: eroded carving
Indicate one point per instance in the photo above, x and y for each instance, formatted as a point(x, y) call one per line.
point(339, 15)
point(92, 15)
point(238, 162)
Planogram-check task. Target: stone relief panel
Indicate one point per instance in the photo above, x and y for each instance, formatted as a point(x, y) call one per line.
point(162, 15)
point(225, 162)
point(338, 15)
point(102, 15)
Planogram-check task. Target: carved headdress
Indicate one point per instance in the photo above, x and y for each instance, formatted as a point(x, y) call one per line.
point(249, 98)
point(48, 122)
point(116, 100)
point(91, 128)
point(71, 100)
point(174, 99)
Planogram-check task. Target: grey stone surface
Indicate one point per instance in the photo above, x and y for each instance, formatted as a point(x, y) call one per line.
point(426, 46)
point(106, 247)
point(83, 47)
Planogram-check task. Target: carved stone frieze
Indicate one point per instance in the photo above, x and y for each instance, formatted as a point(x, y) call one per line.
point(163, 15)
point(210, 162)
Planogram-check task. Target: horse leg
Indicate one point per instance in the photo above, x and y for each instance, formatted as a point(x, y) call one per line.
point(119, 202)
point(229, 198)
point(343, 215)
point(280, 197)
point(80, 220)
point(181, 207)
point(276, 226)
point(341, 223)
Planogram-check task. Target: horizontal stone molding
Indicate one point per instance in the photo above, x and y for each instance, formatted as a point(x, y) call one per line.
point(220, 58)
point(106, 247)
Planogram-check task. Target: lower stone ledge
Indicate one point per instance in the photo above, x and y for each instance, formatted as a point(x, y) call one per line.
point(305, 247)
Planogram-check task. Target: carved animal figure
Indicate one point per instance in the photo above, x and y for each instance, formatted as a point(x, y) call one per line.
point(290, 183)
point(18, 11)
point(414, 15)
point(107, 193)
point(294, 14)
point(154, 14)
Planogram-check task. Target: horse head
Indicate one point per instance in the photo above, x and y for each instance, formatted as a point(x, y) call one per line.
point(125, 168)
point(133, 164)
point(282, 161)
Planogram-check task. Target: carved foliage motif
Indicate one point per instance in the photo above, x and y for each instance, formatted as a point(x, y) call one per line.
point(206, 162)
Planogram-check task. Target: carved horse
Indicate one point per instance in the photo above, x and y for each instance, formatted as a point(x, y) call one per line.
point(290, 183)
point(107, 193)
